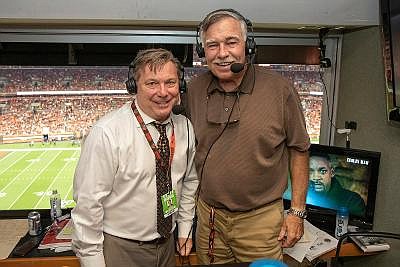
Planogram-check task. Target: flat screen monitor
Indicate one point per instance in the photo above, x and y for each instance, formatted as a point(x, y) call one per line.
point(341, 177)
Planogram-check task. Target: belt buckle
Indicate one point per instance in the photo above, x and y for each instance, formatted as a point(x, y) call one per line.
point(157, 241)
point(161, 240)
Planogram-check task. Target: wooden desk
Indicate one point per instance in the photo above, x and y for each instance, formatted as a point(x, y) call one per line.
point(68, 261)
point(348, 249)
point(62, 261)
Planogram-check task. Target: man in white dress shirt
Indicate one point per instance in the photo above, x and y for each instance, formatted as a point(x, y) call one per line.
point(115, 217)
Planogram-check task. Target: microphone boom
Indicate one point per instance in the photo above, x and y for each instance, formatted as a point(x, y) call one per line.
point(178, 109)
point(237, 67)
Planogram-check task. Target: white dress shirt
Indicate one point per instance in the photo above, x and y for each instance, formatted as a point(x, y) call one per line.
point(115, 182)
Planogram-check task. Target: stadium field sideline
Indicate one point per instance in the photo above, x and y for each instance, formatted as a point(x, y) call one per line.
point(28, 174)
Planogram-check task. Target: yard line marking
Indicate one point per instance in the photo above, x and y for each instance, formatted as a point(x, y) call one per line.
point(22, 171)
point(8, 155)
point(33, 180)
point(53, 181)
point(15, 162)
point(39, 149)
point(71, 185)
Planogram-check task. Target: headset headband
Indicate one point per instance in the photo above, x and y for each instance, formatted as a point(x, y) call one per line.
point(250, 42)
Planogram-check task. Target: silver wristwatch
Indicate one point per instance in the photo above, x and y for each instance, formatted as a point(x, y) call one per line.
point(299, 213)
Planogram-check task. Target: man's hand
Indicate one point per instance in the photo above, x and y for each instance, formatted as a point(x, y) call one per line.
point(291, 231)
point(184, 245)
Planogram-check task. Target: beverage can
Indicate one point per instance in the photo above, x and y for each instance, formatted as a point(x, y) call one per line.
point(35, 227)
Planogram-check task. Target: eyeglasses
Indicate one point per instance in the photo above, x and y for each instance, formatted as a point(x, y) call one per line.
point(211, 237)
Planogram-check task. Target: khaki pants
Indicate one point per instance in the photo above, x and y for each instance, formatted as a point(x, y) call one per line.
point(240, 236)
point(119, 252)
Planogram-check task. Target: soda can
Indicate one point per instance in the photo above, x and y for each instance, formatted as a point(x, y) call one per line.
point(35, 228)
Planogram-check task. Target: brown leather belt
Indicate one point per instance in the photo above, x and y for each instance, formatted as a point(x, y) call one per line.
point(157, 241)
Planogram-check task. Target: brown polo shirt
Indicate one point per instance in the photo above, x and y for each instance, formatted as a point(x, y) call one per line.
point(244, 164)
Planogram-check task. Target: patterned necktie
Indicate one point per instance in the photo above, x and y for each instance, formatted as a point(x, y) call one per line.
point(163, 180)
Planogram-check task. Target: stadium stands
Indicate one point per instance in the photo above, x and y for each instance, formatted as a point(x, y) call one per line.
point(25, 115)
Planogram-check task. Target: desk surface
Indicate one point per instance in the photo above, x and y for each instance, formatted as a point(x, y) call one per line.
point(348, 249)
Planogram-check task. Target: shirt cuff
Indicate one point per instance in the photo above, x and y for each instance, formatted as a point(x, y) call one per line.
point(184, 230)
point(93, 261)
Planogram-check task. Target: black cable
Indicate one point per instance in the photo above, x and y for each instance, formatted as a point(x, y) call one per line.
point(209, 149)
point(336, 262)
point(216, 139)
point(329, 115)
point(223, 130)
point(182, 258)
point(185, 259)
point(187, 148)
point(208, 152)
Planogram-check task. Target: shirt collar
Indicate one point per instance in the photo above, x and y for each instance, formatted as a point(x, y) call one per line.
point(147, 119)
point(245, 87)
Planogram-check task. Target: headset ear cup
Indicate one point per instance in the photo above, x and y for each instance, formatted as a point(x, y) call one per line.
point(250, 42)
point(250, 46)
point(182, 81)
point(131, 86)
point(182, 86)
point(199, 46)
point(200, 50)
point(130, 83)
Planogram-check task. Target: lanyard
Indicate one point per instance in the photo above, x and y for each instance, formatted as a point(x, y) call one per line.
point(150, 139)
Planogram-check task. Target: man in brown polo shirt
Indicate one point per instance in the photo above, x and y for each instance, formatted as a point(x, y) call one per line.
point(251, 133)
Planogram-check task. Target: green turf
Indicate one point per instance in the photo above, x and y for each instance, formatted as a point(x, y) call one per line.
point(28, 174)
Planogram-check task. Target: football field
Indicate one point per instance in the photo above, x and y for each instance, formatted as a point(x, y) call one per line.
point(28, 174)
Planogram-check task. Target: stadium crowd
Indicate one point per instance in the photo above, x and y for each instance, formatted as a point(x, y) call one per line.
point(27, 115)
point(61, 114)
point(19, 79)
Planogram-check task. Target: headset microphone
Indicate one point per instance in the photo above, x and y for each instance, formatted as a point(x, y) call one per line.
point(237, 67)
point(178, 109)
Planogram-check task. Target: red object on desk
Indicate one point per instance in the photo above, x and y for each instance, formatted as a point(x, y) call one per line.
point(50, 239)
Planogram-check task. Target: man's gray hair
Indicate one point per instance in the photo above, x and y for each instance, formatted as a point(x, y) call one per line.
point(218, 15)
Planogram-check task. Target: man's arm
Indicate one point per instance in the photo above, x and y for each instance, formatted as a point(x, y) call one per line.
point(92, 183)
point(293, 226)
point(187, 202)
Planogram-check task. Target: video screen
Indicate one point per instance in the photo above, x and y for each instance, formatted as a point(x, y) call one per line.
point(341, 178)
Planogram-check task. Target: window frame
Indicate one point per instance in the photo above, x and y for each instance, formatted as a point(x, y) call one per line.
point(181, 36)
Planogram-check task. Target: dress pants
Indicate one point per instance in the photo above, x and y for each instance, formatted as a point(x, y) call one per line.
point(120, 252)
point(240, 236)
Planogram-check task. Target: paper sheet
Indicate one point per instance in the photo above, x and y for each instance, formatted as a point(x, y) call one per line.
point(299, 251)
point(11, 232)
point(314, 243)
point(323, 244)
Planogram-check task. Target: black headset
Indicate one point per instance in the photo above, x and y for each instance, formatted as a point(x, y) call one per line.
point(131, 83)
point(250, 42)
